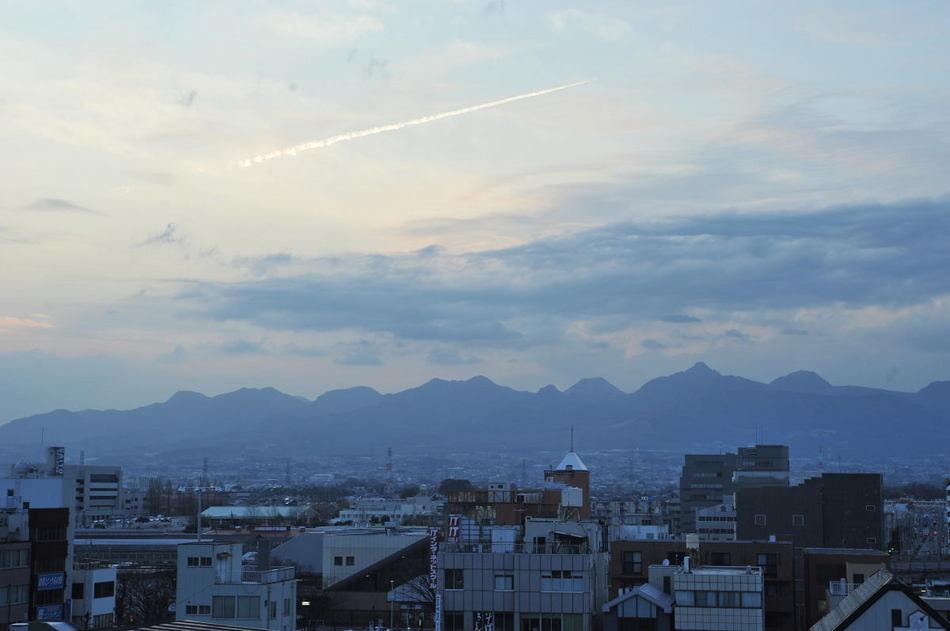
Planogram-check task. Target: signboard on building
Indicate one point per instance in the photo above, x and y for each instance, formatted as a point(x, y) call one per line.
point(434, 575)
point(51, 580)
point(454, 527)
point(56, 459)
point(49, 612)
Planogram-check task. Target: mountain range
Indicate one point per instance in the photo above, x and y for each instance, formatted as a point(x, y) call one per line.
point(698, 409)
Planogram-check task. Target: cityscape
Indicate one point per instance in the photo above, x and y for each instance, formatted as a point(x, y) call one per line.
point(474, 315)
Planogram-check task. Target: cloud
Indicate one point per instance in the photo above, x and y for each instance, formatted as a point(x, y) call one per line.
point(188, 99)
point(243, 347)
point(326, 28)
point(679, 318)
point(717, 265)
point(361, 353)
point(56, 204)
point(605, 27)
point(653, 345)
point(451, 357)
point(167, 236)
point(10, 322)
point(794, 331)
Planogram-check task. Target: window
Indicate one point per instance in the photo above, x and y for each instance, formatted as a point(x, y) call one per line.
point(562, 581)
point(13, 594)
point(504, 582)
point(103, 477)
point(205, 561)
point(249, 607)
point(272, 608)
point(632, 562)
point(454, 579)
point(685, 598)
point(192, 561)
point(350, 560)
point(204, 610)
point(105, 589)
point(751, 599)
point(759, 519)
point(768, 561)
point(191, 610)
point(667, 585)
point(551, 623)
point(337, 560)
point(798, 520)
point(79, 590)
point(897, 618)
point(870, 508)
point(573, 622)
point(286, 606)
point(872, 541)
point(704, 599)
point(13, 558)
point(454, 621)
point(720, 558)
point(504, 621)
point(222, 606)
point(729, 599)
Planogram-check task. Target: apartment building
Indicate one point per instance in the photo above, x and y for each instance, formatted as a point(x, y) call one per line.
point(92, 602)
point(213, 586)
point(14, 567)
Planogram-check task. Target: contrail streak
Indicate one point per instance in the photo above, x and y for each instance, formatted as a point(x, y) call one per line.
point(353, 135)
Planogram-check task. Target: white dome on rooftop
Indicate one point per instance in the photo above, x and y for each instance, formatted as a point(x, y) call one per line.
point(571, 462)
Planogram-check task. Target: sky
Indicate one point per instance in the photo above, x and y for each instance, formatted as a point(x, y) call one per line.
point(760, 186)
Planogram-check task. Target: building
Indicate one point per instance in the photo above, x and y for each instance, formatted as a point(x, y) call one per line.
point(50, 562)
point(835, 510)
point(713, 598)
point(14, 567)
point(572, 473)
point(159, 552)
point(841, 568)
point(379, 510)
point(249, 516)
point(214, 587)
point(98, 493)
point(92, 602)
point(552, 577)
point(631, 563)
point(881, 603)
point(717, 523)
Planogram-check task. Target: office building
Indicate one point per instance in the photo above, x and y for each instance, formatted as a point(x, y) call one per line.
point(835, 510)
point(214, 587)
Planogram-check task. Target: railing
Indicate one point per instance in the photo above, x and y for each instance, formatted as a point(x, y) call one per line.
point(840, 588)
point(274, 575)
point(498, 547)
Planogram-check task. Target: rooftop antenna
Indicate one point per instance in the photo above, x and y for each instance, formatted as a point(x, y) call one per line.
point(42, 436)
point(204, 472)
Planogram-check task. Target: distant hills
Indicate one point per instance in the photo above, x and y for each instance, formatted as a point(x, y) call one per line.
point(698, 409)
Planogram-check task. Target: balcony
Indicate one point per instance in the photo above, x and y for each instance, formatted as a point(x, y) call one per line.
point(273, 575)
point(841, 588)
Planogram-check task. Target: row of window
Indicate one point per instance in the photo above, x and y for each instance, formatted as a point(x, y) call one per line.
point(341, 560)
point(102, 589)
point(14, 558)
point(14, 594)
point(551, 581)
point(241, 607)
point(733, 600)
point(199, 561)
point(505, 621)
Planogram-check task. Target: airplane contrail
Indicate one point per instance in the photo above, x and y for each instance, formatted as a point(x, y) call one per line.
point(353, 135)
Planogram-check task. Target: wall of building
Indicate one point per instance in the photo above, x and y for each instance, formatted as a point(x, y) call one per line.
point(92, 597)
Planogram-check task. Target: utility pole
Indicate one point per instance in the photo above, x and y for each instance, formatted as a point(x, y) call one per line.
point(392, 599)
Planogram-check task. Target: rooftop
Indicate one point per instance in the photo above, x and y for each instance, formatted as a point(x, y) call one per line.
point(571, 462)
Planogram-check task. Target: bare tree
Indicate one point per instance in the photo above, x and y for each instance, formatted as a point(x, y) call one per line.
point(143, 596)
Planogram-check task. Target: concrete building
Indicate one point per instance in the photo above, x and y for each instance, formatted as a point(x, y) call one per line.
point(718, 598)
point(717, 523)
point(840, 568)
point(631, 564)
point(214, 587)
point(98, 493)
point(881, 603)
point(835, 510)
point(14, 567)
point(551, 579)
point(248, 516)
point(159, 552)
point(92, 602)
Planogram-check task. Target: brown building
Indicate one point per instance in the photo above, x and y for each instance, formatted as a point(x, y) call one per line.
point(49, 552)
point(630, 562)
point(14, 569)
point(572, 472)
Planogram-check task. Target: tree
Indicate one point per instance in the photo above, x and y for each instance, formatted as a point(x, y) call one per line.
point(142, 597)
point(410, 490)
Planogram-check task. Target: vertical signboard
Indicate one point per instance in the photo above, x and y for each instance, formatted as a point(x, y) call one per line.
point(434, 575)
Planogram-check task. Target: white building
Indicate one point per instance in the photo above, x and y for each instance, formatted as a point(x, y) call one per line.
point(93, 596)
point(717, 523)
point(214, 587)
point(98, 493)
point(347, 552)
point(367, 510)
point(718, 598)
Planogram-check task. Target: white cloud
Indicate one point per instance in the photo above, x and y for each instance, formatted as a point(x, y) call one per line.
point(328, 28)
point(605, 27)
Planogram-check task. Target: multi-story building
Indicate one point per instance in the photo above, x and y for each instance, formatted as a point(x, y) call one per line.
point(92, 602)
point(631, 563)
point(835, 510)
point(14, 567)
point(369, 510)
point(827, 574)
point(50, 562)
point(98, 493)
point(553, 578)
point(718, 598)
point(214, 587)
point(717, 523)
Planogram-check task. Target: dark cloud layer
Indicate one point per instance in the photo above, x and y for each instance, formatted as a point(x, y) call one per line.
point(890, 255)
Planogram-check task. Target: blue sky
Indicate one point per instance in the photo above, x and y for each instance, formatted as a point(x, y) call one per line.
point(762, 186)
